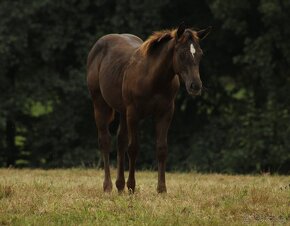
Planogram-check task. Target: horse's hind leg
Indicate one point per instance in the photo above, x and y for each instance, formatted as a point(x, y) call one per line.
point(133, 146)
point(121, 149)
point(104, 116)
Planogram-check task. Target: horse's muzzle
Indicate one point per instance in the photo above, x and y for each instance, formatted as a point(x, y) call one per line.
point(195, 89)
point(195, 93)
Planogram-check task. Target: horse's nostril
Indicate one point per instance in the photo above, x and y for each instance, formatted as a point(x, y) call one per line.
point(195, 87)
point(192, 86)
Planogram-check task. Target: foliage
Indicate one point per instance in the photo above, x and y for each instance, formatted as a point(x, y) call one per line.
point(240, 124)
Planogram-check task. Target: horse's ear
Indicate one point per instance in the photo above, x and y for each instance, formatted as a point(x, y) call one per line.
point(180, 30)
point(164, 37)
point(203, 33)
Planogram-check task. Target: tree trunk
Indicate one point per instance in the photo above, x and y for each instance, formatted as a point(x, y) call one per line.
point(11, 149)
point(10, 141)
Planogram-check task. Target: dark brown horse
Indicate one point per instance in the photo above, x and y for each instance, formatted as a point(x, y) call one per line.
point(138, 79)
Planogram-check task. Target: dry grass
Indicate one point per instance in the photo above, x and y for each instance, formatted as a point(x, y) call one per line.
point(75, 197)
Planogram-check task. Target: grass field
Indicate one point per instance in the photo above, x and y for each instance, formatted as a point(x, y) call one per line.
point(75, 197)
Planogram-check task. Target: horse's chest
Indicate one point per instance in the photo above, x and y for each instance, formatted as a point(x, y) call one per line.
point(149, 96)
point(148, 105)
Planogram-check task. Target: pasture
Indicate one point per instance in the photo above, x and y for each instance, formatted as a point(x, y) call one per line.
point(75, 197)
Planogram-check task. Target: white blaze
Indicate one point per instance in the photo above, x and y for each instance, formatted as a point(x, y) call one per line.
point(192, 49)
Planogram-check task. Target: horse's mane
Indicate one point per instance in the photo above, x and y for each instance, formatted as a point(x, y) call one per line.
point(156, 37)
point(160, 36)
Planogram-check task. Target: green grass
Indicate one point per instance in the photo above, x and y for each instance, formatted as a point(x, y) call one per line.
point(75, 197)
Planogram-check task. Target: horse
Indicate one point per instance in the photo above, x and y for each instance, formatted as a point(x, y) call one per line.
point(140, 79)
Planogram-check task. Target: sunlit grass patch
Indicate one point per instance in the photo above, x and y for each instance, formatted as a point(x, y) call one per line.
point(75, 197)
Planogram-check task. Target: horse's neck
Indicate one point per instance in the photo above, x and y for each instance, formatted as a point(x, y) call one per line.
point(162, 63)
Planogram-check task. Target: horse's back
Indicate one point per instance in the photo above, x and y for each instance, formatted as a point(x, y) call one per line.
point(106, 64)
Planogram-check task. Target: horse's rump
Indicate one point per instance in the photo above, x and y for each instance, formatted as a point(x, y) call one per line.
point(106, 64)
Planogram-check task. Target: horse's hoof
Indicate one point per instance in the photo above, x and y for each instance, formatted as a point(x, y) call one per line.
point(161, 189)
point(120, 184)
point(131, 191)
point(131, 186)
point(107, 186)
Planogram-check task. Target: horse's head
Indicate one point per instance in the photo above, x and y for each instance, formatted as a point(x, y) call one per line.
point(187, 56)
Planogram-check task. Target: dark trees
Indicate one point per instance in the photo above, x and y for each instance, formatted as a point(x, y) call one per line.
point(240, 124)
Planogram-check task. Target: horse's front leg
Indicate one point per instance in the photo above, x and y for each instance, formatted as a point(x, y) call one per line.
point(162, 121)
point(133, 146)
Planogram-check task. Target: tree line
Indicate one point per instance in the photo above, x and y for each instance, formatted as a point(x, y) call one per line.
point(239, 125)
